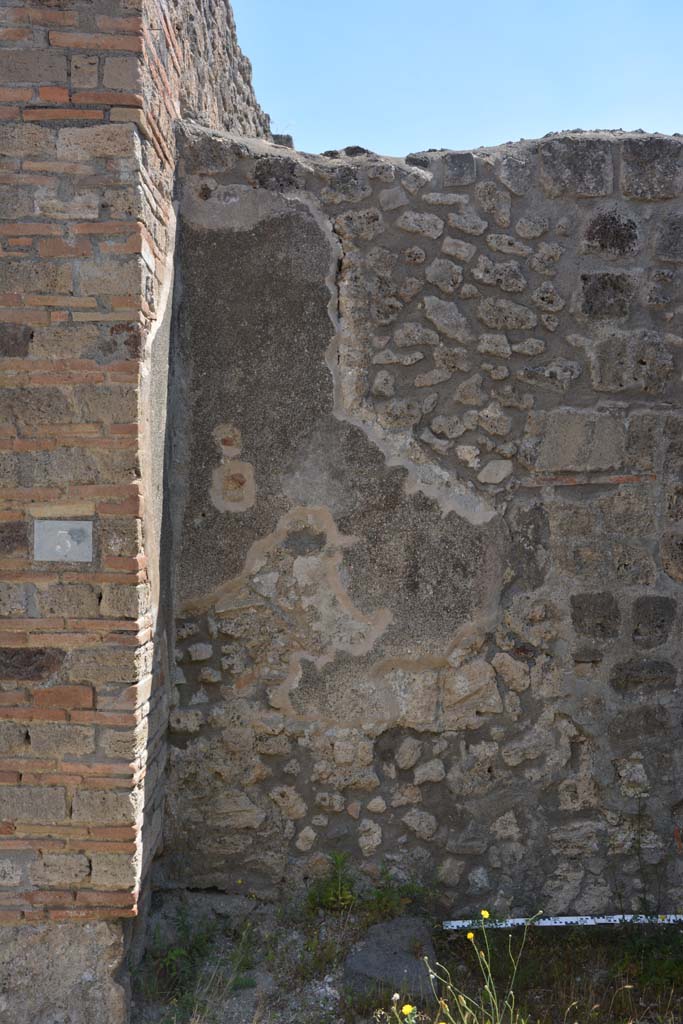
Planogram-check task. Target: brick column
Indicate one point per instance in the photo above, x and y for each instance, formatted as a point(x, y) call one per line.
point(89, 93)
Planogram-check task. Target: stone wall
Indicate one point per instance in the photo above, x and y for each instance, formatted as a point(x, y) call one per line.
point(427, 463)
point(90, 91)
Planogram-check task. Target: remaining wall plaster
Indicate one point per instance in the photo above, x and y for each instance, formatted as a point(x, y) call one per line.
point(443, 635)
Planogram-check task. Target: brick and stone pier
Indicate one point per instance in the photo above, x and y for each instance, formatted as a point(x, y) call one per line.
point(89, 96)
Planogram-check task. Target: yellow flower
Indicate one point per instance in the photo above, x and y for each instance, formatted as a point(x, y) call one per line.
point(470, 935)
point(407, 1010)
point(485, 914)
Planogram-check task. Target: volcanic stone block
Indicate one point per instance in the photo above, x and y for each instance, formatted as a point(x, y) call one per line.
point(671, 552)
point(459, 169)
point(669, 241)
point(611, 233)
point(653, 617)
point(36, 663)
point(581, 167)
point(651, 674)
point(606, 296)
point(652, 168)
point(595, 615)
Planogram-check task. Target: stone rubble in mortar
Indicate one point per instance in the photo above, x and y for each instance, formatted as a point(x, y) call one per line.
point(465, 316)
point(519, 320)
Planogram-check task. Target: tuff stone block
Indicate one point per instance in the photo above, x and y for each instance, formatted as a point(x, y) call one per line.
point(458, 169)
point(15, 340)
point(652, 168)
point(574, 439)
point(42, 805)
point(611, 233)
point(652, 617)
point(61, 740)
point(54, 870)
point(34, 664)
point(575, 166)
point(105, 807)
point(648, 674)
point(14, 739)
point(669, 239)
point(671, 554)
point(607, 295)
point(72, 600)
point(595, 615)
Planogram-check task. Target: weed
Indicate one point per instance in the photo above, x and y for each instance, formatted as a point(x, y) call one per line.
point(169, 972)
point(390, 898)
point(335, 892)
point(492, 1004)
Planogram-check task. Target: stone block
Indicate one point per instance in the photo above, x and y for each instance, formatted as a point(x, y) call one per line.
point(408, 752)
point(671, 554)
point(578, 440)
point(469, 694)
point(115, 870)
point(33, 66)
point(10, 873)
point(15, 202)
point(458, 169)
point(13, 599)
point(642, 672)
point(632, 724)
point(84, 71)
point(595, 615)
point(72, 465)
point(674, 502)
point(669, 239)
point(652, 168)
point(105, 807)
point(61, 739)
point(629, 511)
point(504, 315)
point(123, 744)
point(611, 233)
point(15, 340)
point(112, 277)
point(576, 166)
point(72, 600)
point(515, 172)
point(427, 224)
point(32, 664)
point(56, 870)
point(14, 739)
point(607, 296)
point(422, 823)
point(63, 972)
point(122, 73)
point(107, 665)
point(652, 618)
point(44, 805)
point(121, 601)
point(121, 536)
point(35, 276)
point(120, 140)
point(642, 438)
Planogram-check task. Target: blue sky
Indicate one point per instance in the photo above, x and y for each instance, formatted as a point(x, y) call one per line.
point(400, 75)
